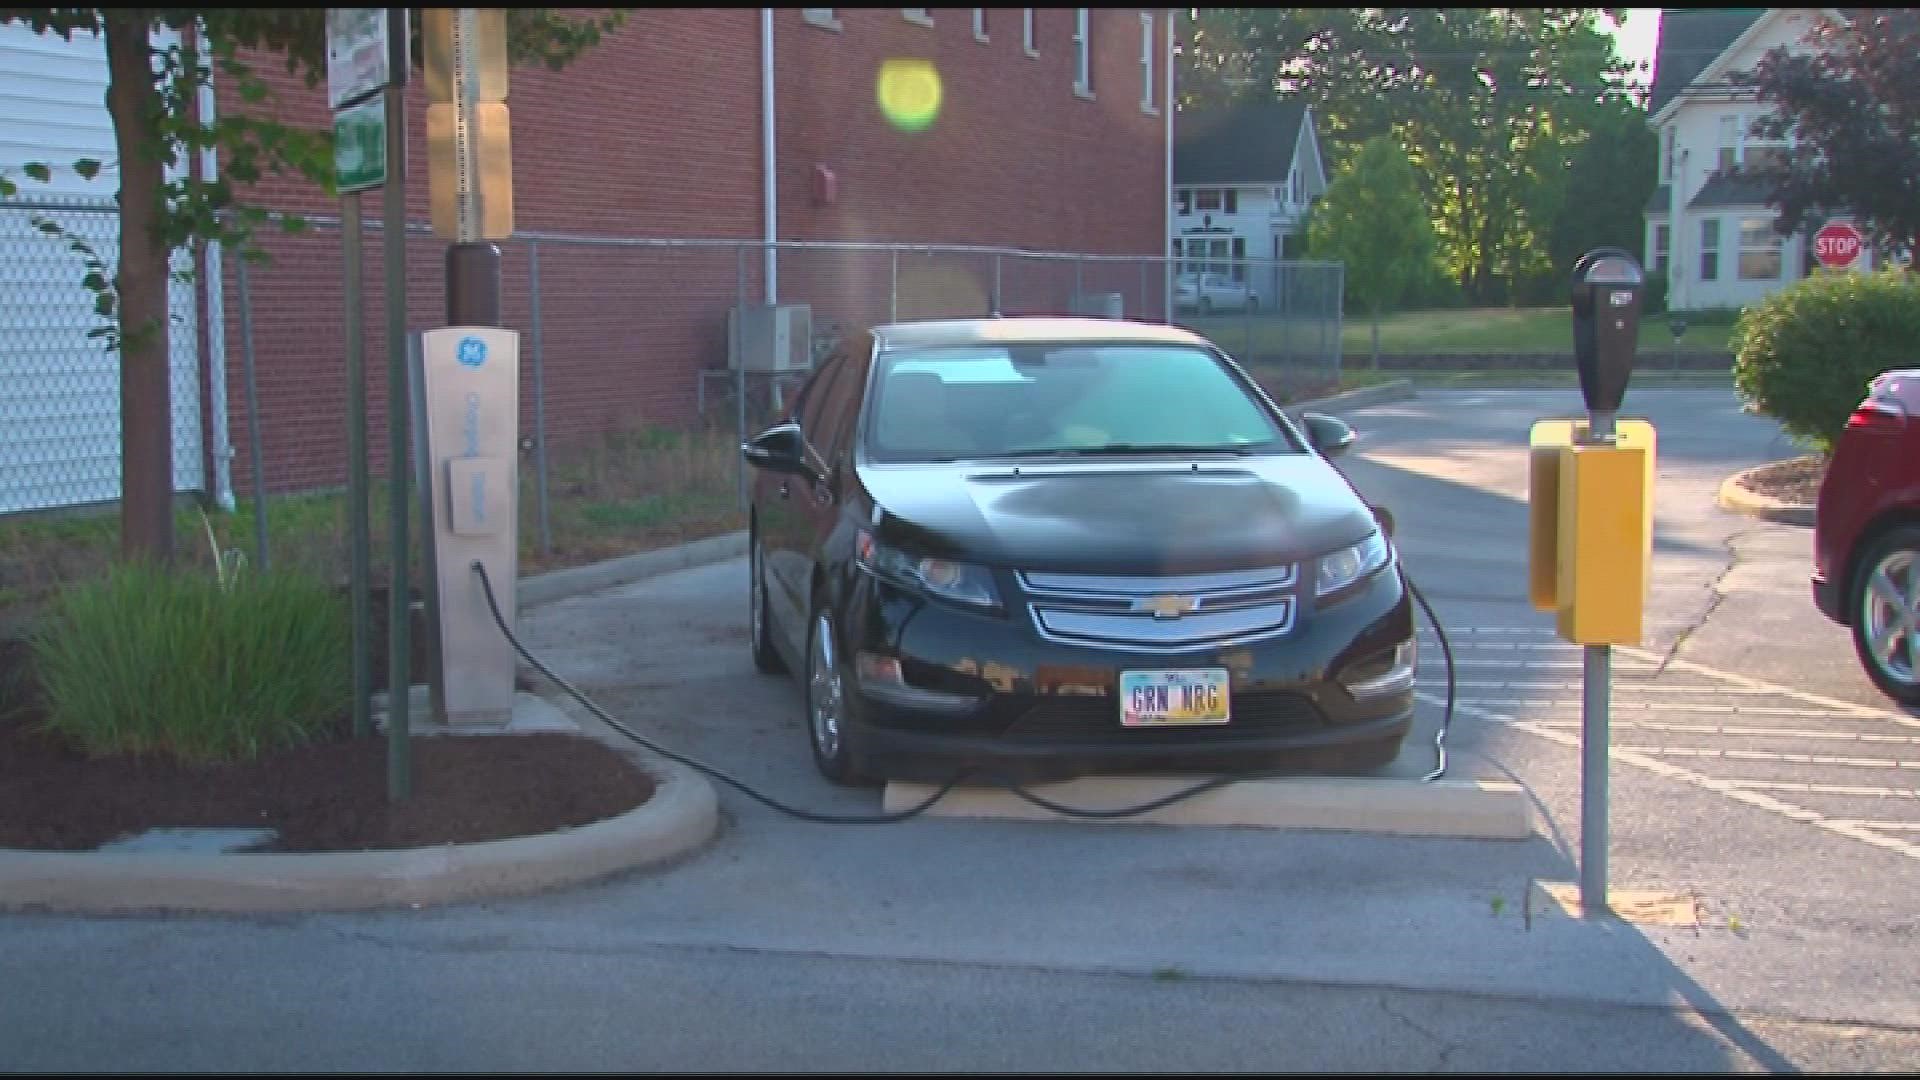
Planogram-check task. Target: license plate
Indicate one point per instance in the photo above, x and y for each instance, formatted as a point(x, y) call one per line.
point(1168, 698)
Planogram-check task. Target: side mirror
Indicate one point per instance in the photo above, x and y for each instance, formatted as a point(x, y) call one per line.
point(1385, 517)
point(1329, 435)
point(781, 449)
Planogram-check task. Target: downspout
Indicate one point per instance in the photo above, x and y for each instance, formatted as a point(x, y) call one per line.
point(769, 174)
point(216, 328)
point(1679, 283)
point(1166, 200)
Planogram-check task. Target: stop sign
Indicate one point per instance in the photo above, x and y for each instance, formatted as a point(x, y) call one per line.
point(1837, 244)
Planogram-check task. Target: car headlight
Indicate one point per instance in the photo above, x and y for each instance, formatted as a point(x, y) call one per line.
point(962, 583)
point(1351, 565)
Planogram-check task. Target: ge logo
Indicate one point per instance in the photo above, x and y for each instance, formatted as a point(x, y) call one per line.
point(472, 352)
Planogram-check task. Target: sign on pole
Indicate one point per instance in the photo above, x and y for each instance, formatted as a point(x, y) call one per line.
point(357, 54)
point(1838, 244)
point(360, 146)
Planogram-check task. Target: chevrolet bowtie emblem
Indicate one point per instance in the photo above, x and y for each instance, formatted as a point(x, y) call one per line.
point(1168, 607)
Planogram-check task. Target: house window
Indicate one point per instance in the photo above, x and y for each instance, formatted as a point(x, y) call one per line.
point(1662, 242)
point(1729, 143)
point(1710, 249)
point(1239, 259)
point(1207, 199)
point(1666, 153)
point(1146, 66)
point(1219, 252)
point(979, 24)
point(1759, 250)
point(920, 15)
point(1230, 201)
point(1027, 39)
point(1297, 186)
point(1183, 201)
point(1082, 55)
point(1763, 155)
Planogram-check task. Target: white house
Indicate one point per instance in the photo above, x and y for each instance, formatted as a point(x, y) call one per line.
point(1708, 222)
point(1244, 179)
point(60, 427)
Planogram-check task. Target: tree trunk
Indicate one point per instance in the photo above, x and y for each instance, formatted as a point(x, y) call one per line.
point(146, 444)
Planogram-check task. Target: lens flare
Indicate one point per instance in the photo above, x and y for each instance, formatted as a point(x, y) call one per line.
point(909, 92)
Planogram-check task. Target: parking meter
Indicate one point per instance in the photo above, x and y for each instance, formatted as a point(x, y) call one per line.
point(1607, 288)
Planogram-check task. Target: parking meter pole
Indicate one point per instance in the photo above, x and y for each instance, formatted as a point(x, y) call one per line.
point(473, 284)
point(360, 597)
point(1607, 291)
point(399, 548)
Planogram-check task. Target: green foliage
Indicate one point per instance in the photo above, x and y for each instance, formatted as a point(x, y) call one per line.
point(1493, 105)
point(181, 665)
point(1805, 354)
point(1654, 299)
point(1374, 220)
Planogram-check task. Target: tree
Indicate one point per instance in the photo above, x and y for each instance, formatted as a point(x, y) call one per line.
point(152, 95)
point(1851, 110)
point(1612, 176)
point(1374, 219)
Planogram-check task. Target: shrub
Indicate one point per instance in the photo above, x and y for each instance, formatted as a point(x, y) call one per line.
point(1805, 354)
point(180, 664)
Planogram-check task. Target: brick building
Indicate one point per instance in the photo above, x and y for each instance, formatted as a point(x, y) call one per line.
point(1051, 136)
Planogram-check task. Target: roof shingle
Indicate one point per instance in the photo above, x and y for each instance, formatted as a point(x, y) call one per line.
point(1251, 142)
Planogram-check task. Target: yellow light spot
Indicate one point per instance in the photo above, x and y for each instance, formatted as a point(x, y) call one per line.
point(909, 92)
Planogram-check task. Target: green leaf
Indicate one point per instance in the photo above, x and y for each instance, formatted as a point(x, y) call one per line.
point(51, 228)
point(38, 170)
point(95, 281)
point(7, 188)
point(292, 224)
point(103, 304)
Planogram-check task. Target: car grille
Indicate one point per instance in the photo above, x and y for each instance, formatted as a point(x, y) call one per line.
point(1192, 611)
point(1097, 719)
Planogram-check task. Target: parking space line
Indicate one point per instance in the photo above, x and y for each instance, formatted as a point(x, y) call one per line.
point(1669, 706)
point(1770, 755)
point(1892, 826)
point(1824, 789)
point(1749, 793)
point(1574, 687)
point(1723, 729)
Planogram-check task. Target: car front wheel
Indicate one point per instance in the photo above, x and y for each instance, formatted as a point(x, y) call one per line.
point(1885, 608)
point(835, 752)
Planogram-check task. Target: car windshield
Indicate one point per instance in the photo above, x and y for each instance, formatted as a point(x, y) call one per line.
point(951, 404)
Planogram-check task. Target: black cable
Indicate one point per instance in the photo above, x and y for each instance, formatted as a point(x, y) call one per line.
point(1204, 786)
point(1446, 713)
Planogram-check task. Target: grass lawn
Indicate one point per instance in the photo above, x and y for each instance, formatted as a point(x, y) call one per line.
point(1459, 330)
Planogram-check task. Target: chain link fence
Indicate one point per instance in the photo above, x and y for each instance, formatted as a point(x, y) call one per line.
point(60, 388)
point(617, 333)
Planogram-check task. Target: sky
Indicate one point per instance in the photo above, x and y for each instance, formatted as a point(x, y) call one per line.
point(1636, 37)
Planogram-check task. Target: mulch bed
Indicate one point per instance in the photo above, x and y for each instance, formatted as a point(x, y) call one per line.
point(1796, 482)
point(326, 796)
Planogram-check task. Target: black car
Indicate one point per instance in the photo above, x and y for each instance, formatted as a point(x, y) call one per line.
point(1041, 547)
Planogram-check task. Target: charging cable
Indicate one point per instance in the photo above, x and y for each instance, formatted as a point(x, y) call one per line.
point(486, 584)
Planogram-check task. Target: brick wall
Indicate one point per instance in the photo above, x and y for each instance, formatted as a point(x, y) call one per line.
point(656, 133)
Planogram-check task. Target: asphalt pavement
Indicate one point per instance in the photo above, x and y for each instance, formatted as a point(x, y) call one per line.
point(1755, 770)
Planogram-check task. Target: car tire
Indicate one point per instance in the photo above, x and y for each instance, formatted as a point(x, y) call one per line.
point(1895, 556)
point(766, 658)
point(836, 752)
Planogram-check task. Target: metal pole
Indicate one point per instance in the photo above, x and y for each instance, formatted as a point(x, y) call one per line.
point(429, 550)
point(1594, 740)
point(999, 299)
point(893, 289)
point(1079, 285)
point(739, 369)
point(539, 401)
point(1143, 289)
point(357, 524)
point(254, 453)
point(473, 263)
point(399, 596)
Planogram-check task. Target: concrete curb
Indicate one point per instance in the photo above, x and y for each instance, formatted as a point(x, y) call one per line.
point(682, 815)
point(1734, 495)
point(575, 580)
point(1394, 390)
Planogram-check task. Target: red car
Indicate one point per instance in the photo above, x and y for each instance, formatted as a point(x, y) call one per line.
point(1866, 534)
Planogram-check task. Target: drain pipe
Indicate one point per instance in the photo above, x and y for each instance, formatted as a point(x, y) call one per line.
point(769, 174)
point(216, 328)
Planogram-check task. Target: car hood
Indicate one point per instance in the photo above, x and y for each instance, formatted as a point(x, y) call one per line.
point(1159, 516)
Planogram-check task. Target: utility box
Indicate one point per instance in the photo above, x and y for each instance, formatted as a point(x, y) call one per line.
point(762, 337)
point(1590, 529)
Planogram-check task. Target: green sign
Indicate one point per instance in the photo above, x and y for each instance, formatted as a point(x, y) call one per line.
point(360, 146)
